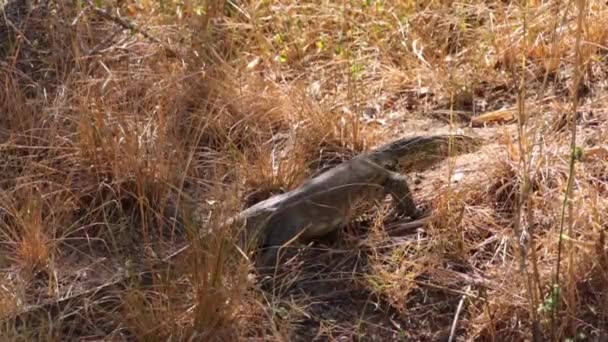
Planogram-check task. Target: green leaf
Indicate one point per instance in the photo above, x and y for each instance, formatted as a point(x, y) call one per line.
point(283, 57)
point(550, 303)
point(199, 10)
point(278, 38)
point(282, 312)
point(320, 44)
point(578, 153)
point(356, 69)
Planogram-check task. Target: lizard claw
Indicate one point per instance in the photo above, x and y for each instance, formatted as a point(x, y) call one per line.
point(421, 211)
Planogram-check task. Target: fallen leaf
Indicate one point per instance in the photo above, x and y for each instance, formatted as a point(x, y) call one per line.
point(596, 152)
point(494, 116)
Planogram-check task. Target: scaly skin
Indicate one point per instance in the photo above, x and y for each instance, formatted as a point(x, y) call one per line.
point(329, 201)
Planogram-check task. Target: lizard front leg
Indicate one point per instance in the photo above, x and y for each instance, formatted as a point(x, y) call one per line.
point(396, 186)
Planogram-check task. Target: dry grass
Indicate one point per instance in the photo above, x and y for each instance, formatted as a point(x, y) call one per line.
point(117, 146)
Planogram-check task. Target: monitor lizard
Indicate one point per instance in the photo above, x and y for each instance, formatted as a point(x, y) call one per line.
point(328, 201)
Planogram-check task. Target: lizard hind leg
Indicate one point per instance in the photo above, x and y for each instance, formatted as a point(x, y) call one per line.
point(267, 260)
point(270, 257)
point(396, 186)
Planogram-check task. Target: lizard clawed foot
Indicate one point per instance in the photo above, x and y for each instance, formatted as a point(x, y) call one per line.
point(421, 212)
point(416, 213)
point(266, 260)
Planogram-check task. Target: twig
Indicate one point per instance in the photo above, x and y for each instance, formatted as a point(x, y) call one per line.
point(128, 25)
point(400, 229)
point(55, 305)
point(100, 291)
point(108, 39)
point(523, 236)
point(457, 314)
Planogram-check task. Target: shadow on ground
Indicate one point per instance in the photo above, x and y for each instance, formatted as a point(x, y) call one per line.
point(322, 291)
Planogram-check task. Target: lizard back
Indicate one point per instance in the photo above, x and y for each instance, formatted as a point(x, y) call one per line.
point(421, 152)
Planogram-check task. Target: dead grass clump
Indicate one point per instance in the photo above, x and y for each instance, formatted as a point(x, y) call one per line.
point(394, 275)
point(315, 141)
point(105, 167)
point(334, 137)
point(26, 235)
point(238, 112)
point(504, 189)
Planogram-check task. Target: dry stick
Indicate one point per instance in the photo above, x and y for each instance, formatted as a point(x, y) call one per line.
point(523, 252)
point(457, 314)
point(526, 198)
point(603, 262)
point(50, 304)
point(488, 311)
point(98, 291)
point(128, 25)
point(407, 227)
point(126, 278)
point(521, 122)
point(103, 43)
point(101, 289)
point(541, 97)
point(571, 173)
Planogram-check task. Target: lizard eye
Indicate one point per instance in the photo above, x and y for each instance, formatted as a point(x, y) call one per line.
point(392, 166)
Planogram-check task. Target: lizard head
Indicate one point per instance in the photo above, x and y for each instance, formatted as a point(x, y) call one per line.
point(420, 153)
